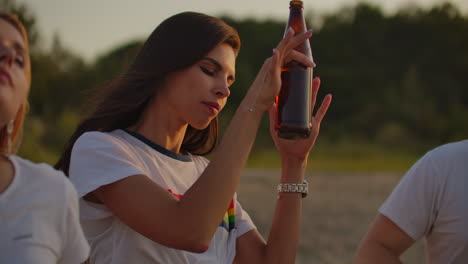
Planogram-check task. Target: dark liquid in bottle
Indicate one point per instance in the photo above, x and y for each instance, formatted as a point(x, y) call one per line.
point(293, 121)
point(293, 101)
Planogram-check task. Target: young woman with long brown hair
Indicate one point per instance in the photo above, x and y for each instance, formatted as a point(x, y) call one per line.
point(149, 195)
point(39, 220)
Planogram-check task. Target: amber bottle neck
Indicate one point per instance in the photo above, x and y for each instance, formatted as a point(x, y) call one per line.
point(296, 17)
point(295, 9)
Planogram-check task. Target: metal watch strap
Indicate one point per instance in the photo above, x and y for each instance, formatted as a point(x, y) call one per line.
point(302, 188)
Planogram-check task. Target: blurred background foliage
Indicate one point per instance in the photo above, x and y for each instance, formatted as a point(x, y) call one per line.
point(399, 83)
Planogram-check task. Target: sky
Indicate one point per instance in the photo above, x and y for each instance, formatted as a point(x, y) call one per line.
point(93, 27)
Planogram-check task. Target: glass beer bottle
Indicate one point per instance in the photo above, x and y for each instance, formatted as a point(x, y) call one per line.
point(293, 101)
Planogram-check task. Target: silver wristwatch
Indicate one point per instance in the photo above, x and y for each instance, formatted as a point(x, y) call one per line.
point(302, 188)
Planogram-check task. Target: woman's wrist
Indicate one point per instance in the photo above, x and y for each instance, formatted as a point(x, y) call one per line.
point(293, 171)
point(256, 98)
point(249, 105)
point(292, 161)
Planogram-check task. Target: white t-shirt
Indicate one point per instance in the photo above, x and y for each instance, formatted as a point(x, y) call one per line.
point(39, 222)
point(431, 201)
point(102, 158)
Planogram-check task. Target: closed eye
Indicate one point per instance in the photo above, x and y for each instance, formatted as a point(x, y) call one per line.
point(20, 54)
point(19, 61)
point(206, 71)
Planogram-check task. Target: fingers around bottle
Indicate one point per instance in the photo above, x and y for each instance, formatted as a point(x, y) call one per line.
point(289, 34)
point(282, 44)
point(275, 60)
point(290, 42)
point(294, 55)
point(298, 39)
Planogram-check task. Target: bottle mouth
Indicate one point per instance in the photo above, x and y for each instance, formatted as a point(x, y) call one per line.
point(296, 3)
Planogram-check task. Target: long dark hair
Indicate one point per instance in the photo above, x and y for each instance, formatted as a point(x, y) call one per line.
point(177, 43)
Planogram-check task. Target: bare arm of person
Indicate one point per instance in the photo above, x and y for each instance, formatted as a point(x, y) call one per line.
point(282, 243)
point(189, 223)
point(384, 243)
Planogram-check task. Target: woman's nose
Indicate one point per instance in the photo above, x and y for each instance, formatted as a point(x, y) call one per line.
point(222, 90)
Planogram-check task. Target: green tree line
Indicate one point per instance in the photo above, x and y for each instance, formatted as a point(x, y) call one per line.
point(399, 80)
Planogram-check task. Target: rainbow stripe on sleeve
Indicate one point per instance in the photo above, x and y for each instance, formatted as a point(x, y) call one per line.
point(229, 219)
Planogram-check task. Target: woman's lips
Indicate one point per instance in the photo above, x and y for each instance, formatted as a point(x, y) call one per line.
point(213, 107)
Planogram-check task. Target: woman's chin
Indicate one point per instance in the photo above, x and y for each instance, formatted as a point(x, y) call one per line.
point(201, 125)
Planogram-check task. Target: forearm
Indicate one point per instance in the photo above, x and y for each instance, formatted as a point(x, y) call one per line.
point(283, 239)
point(215, 188)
